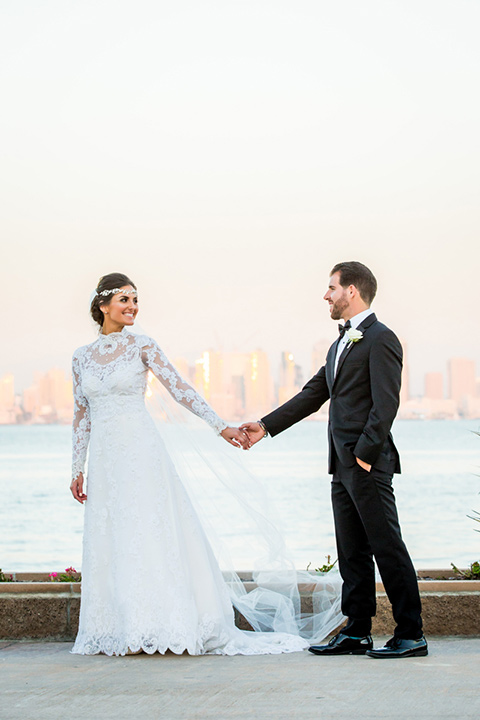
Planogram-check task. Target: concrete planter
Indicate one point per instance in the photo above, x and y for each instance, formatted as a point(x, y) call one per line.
point(39, 610)
point(32, 607)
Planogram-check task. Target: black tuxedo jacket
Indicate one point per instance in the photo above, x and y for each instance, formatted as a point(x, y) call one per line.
point(364, 397)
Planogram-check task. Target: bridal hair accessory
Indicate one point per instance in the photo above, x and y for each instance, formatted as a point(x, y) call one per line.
point(354, 335)
point(116, 290)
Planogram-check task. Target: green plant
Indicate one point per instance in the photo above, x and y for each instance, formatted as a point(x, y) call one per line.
point(326, 567)
point(70, 575)
point(5, 578)
point(473, 572)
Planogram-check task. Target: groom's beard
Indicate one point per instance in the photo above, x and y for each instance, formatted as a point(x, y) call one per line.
point(338, 308)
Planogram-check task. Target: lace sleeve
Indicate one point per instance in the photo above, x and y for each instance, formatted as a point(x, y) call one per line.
point(81, 423)
point(182, 392)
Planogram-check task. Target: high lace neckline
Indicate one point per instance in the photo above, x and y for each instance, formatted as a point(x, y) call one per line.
point(113, 335)
point(108, 344)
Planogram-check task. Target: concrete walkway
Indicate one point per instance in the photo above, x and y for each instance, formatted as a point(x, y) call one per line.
point(43, 680)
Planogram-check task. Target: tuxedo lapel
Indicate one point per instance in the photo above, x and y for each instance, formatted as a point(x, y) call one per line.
point(332, 353)
point(341, 359)
point(347, 349)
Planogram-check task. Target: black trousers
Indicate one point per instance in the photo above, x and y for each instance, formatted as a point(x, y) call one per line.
point(367, 527)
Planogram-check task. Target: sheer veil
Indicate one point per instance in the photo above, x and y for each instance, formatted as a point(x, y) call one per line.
point(231, 503)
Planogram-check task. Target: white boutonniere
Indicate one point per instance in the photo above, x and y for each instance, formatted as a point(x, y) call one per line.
point(354, 335)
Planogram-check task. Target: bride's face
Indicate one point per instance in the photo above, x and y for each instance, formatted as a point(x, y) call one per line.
point(123, 307)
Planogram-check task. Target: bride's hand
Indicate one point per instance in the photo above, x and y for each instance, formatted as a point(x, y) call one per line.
point(236, 437)
point(76, 486)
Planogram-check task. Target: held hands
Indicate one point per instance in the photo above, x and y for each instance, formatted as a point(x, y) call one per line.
point(76, 487)
point(254, 431)
point(235, 437)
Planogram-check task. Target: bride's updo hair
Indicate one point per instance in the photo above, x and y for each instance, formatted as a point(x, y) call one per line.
point(107, 282)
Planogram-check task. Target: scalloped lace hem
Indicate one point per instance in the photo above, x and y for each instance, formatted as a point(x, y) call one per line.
point(247, 643)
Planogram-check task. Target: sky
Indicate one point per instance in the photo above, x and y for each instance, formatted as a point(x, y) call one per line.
point(225, 155)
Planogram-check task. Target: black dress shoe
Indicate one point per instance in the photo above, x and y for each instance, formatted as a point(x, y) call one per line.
point(398, 648)
point(343, 645)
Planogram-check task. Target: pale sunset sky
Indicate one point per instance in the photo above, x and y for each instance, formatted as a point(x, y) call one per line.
point(226, 154)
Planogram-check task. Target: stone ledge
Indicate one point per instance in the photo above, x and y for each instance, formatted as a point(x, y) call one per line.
point(38, 616)
point(247, 575)
point(34, 609)
point(74, 589)
point(40, 588)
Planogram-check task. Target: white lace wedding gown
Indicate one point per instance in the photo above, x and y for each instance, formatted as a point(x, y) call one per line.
point(149, 577)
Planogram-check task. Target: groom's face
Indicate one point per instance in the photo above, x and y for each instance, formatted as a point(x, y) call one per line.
point(337, 298)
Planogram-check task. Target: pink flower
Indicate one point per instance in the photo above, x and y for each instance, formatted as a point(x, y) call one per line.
point(53, 575)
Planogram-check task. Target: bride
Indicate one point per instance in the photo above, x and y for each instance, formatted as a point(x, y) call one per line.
point(150, 580)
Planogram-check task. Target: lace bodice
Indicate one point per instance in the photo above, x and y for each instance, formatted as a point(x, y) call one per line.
point(110, 377)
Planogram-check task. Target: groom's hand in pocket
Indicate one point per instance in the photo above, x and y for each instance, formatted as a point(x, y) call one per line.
point(364, 465)
point(254, 431)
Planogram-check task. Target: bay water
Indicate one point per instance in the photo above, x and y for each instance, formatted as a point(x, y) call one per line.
point(41, 525)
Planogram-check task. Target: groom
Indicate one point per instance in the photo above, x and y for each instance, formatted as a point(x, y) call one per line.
point(361, 378)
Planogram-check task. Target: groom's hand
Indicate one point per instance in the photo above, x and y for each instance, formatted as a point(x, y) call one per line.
point(364, 465)
point(254, 431)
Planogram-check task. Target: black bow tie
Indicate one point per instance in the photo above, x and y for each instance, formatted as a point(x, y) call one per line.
point(342, 329)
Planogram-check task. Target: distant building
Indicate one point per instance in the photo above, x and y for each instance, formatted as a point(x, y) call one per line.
point(428, 409)
point(434, 386)
point(462, 400)
point(291, 378)
point(49, 399)
point(258, 385)
point(238, 385)
point(208, 374)
point(181, 364)
point(471, 407)
point(462, 384)
point(31, 402)
point(7, 400)
point(235, 379)
point(319, 355)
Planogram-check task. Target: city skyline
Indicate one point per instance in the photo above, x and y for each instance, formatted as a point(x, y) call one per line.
point(242, 386)
point(308, 358)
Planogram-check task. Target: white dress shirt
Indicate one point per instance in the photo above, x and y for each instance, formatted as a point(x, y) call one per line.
point(355, 321)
